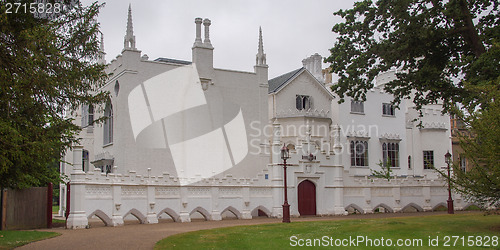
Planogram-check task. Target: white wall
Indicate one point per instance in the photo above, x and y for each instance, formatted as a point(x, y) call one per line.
point(239, 88)
point(374, 126)
point(303, 84)
point(435, 135)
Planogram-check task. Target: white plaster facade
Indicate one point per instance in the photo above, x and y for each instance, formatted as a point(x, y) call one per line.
point(144, 181)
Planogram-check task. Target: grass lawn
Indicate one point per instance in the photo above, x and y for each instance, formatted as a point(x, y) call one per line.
point(55, 209)
point(476, 229)
point(58, 223)
point(11, 239)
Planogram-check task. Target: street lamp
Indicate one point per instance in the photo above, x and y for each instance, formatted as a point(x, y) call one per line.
point(447, 158)
point(286, 207)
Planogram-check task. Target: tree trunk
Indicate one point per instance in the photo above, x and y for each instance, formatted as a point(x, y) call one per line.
point(470, 33)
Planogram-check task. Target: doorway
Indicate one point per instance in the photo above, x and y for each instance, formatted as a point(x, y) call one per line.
point(307, 198)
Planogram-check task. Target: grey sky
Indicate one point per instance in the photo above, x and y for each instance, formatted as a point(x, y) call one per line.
point(292, 30)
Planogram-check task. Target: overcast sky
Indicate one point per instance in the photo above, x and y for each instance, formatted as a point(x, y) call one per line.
point(292, 29)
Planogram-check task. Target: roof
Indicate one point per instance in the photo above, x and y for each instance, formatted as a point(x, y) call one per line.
point(168, 60)
point(277, 82)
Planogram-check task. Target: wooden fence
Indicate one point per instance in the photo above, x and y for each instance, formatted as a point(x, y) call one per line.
point(26, 209)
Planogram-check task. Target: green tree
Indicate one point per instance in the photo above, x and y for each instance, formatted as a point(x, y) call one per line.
point(429, 42)
point(48, 68)
point(385, 172)
point(481, 182)
point(444, 52)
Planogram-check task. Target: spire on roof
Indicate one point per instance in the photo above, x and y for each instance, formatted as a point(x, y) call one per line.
point(129, 41)
point(102, 54)
point(261, 57)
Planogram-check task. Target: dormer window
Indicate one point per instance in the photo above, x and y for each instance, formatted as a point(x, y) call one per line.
point(357, 107)
point(303, 102)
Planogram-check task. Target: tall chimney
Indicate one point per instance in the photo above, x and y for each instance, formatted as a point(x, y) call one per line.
point(197, 41)
point(206, 42)
point(203, 53)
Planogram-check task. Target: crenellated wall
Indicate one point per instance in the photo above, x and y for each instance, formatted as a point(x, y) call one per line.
point(113, 197)
point(422, 194)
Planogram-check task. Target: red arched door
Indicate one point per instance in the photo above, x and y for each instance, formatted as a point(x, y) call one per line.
point(307, 198)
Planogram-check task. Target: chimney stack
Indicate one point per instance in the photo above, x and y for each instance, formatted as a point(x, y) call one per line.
point(313, 65)
point(203, 53)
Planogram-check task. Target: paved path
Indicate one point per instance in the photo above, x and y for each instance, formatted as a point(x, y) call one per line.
point(144, 236)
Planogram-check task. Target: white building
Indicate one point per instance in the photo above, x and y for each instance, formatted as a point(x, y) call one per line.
point(184, 137)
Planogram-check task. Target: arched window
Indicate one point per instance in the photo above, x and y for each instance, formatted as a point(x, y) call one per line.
point(117, 87)
point(359, 153)
point(85, 160)
point(303, 102)
point(91, 115)
point(390, 153)
point(108, 124)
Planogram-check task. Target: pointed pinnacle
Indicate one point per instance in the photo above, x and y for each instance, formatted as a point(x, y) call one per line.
point(130, 29)
point(261, 44)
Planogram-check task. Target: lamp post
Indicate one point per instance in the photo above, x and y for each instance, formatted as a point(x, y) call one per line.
point(447, 157)
point(286, 207)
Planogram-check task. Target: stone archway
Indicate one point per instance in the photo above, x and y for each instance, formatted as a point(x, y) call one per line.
point(101, 215)
point(261, 211)
point(306, 192)
point(170, 212)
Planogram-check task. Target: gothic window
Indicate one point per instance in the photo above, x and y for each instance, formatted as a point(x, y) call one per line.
point(390, 153)
point(85, 160)
point(303, 102)
point(428, 159)
point(388, 109)
point(91, 115)
point(107, 169)
point(117, 88)
point(108, 124)
point(357, 107)
point(359, 153)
